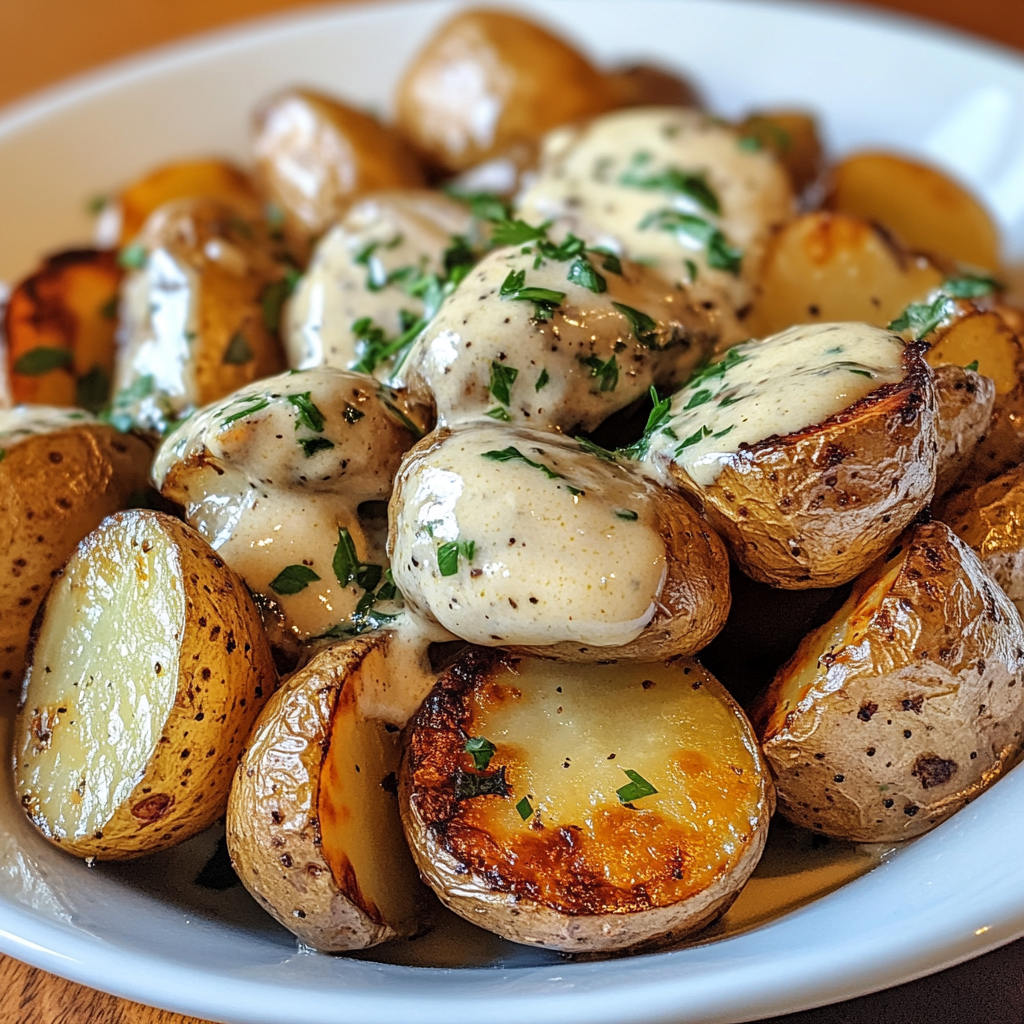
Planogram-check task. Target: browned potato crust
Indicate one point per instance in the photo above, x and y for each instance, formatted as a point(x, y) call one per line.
point(481, 59)
point(95, 706)
point(963, 409)
point(184, 179)
point(990, 520)
point(816, 508)
point(544, 841)
point(829, 267)
point(923, 206)
point(297, 811)
point(906, 705)
point(314, 155)
point(792, 135)
point(648, 85)
point(54, 489)
point(59, 324)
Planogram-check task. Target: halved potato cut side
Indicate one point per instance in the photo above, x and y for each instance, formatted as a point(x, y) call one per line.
point(586, 808)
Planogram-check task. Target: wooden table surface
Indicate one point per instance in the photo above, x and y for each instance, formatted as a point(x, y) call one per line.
point(43, 41)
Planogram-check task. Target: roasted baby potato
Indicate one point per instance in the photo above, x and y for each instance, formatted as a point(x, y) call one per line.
point(488, 80)
point(184, 179)
point(907, 704)
point(315, 154)
point(601, 335)
point(925, 208)
point(517, 538)
point(61, 473)
point(313, 827)
point(59, 323)
point(963, 409)
point(200, 312)
point(368, 290)
point(147, 669)
point(288, 479)
point(792, 135)
point(669, 187)
point(989, 519)
point(829, 267)
point(587, 808)
point(808, 452)
point(648, 85)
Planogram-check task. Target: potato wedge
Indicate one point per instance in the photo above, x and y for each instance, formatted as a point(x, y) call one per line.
point(487, 80)
point(184, 179)
point(597, 808)
point(200, 313)
point(989, 519)
point(313, 826)
point(148, 667)
point(829, 267)
point(60, 323)
point(517, 538)
point(792, 135)
point(808, 452)
point(61, 473)
point(924, 207)
point(963, 410)
point(906, 704)
point(315, 154)
point(649, 85)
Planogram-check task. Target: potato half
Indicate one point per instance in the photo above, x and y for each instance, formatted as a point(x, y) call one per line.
point(148, 667)
point(313, 827)
point(906, 704)
point(597, 808)
point(963, 411)
point(61, 472)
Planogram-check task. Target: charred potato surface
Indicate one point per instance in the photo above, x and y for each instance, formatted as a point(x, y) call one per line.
point(587, 808)
point(509, 537)
point(808, 452)
point(313, 826)
point(906, 704)
point(963, 411)
point(61, 473)
point(148, 668)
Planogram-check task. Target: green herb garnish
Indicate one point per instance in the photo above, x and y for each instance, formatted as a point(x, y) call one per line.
point(717, 251)
point(311, 445)
point(308, 415)
point(637, 788)
point(37, 361)
point(132, 257)
point(972, 366)
point(109, 308)
point(499, 413)
point(502, 379)
point(645, 328)
point(517, 232)
point(626, 513)
point(606, 371)
point(698, 435)
point(449, 552)
point(469, 784)
point(509, 454)
point(582, 273)
point(482, 750)
point(524, 808)
point(688, 183)
point(92, 389)
point(346, 562)
point(238, 351)
point(542, 379)
point(292, 579)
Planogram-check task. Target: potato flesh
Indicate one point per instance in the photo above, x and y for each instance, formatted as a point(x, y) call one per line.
point(983, 338)
point(361, 836)
point(566, 735)
point(95, 720)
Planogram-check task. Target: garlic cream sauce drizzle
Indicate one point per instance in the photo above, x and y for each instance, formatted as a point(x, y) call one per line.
point(778, 386)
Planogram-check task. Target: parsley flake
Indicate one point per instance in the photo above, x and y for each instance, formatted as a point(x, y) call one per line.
point(307, 413)
point(511, 453)
point(238, 352)
point(132, 257)
point(292, 579)
point(524, 808)
point(687, 226)
point(482, 750)
point(311, 445)
point(37, 361)
point(543, 379)
point(517, 232)
point(645, 328)
point(499, 413)
point(582, 273)
point(972, 366)
point(448, 555)
point(469, 784)
point(698, 435)
point(502, 379)
point(606, 371)
point(691, 184)
point(637, 788)
point(657, 420)
point(626, 513)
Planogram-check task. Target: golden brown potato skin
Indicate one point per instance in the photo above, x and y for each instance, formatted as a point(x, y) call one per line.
point(184, 179)
point(906, 705)
point(184, 789)
point(488, 80)
point(963, 409)
point(59, 324)
point(314, 155)
point(989, 518)
point(554, 883)
point(816, 508)
point(792, 135)
point(54, 489)
point(694, 602)
point(925, 208)
point(648, 85)
point(277, 806)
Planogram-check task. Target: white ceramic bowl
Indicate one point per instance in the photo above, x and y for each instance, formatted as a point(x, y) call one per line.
point(145, 931)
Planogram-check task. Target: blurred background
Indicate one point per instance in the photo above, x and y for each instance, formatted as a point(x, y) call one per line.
point(42, 41)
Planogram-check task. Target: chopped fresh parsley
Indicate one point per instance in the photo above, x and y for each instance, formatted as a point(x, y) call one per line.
point(97, 204)
point(92, 389)
point(657, 420)
point(582, 273)
point(311, 445)
point(273, 298)
point(698, 435)
point(645, 328)
point(238, 351)
point(256, 404)
point(109, 308)
point(626, 513)
point(545, 300)
point(860, 373)
point(728, 430)
point(606, 371)
point(307, 413)
point(921, 318)
point(636, 789)
point(470, 784)
point(449, 552)
point(482, 750)
point(502, 379)
point(543, 379)
point(698, 398)
point(511, 453)
point(292, 579)
point(710, 371)
point(691, 184)
point(972, 366)
point(346, 562)
point(132, 257)
point(499, 413)
point(517, 232)
point(717, 251)
point(971, 287)
point(37, 361)
point(596, 450)
point(525, 808)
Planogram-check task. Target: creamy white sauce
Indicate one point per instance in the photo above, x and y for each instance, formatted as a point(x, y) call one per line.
point(24, 421)
point(563, 547)
point(573, 364)
point(349, 277)
point(610, 180)
point(241, 470)
point(778, 386)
